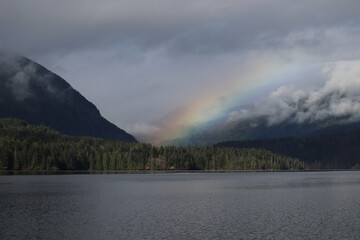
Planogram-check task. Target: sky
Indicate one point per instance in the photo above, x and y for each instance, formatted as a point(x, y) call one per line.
point(159, 68)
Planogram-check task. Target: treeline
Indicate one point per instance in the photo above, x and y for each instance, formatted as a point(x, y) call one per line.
point(331, 151)
point(24, 146)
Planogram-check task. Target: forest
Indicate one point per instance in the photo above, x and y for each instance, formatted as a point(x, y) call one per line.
point(27, 147)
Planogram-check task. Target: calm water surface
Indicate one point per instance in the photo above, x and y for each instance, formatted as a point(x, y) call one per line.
point(300, 205)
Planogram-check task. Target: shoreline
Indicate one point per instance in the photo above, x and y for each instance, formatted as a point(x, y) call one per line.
point(96, 172)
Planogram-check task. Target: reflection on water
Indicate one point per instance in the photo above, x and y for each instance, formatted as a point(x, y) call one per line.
point(300, 205)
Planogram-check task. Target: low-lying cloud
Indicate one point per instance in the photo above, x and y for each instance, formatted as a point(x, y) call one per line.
point(18, 74)
point(143, 130)
point(339, 97)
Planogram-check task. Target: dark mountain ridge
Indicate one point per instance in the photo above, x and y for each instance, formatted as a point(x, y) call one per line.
point(259, 129)
point(327, 151)
point(31, 92)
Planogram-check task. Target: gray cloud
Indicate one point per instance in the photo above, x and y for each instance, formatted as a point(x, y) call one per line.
point(19, 83)
point(144, 131)
point(38, 27)
point(140, 60)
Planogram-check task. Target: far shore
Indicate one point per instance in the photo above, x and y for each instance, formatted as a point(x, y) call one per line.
point(69, 172)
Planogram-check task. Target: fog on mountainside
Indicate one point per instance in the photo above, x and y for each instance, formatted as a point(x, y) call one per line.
point(294, 110)
point(31, 92)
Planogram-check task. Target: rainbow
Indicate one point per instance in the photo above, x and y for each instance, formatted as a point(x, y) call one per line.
point(236, 89)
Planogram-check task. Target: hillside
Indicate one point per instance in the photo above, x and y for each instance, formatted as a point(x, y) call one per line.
point(328, 151)
point(258, 129)
point(30, 92)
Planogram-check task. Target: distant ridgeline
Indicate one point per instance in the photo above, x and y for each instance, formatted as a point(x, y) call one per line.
point(258, 129)
point(31, 92)
point(29, 147)
point(329, 151)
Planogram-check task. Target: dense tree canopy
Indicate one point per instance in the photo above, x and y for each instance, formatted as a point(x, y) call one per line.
point(24, 146)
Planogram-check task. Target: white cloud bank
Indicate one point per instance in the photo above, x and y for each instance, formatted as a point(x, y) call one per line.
point(339, 97)
point(143, 131)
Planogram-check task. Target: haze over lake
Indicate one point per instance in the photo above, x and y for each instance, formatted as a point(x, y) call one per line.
point(267, 205)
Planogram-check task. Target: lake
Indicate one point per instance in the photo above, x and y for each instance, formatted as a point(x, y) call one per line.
point(241, 205)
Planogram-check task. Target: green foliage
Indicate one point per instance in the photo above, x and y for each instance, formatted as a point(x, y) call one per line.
point(24, 146)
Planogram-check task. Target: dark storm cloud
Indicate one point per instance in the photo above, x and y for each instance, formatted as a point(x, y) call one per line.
point(140, 60)
point(38, 27)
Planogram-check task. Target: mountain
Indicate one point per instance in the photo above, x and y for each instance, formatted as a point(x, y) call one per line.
point(30, 92)
point(258, 128)
point(327, 151)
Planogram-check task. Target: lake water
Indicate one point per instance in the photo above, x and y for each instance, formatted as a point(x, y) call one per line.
point(279, 205)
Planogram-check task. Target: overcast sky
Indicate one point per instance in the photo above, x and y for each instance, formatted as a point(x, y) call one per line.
point(142, 62)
